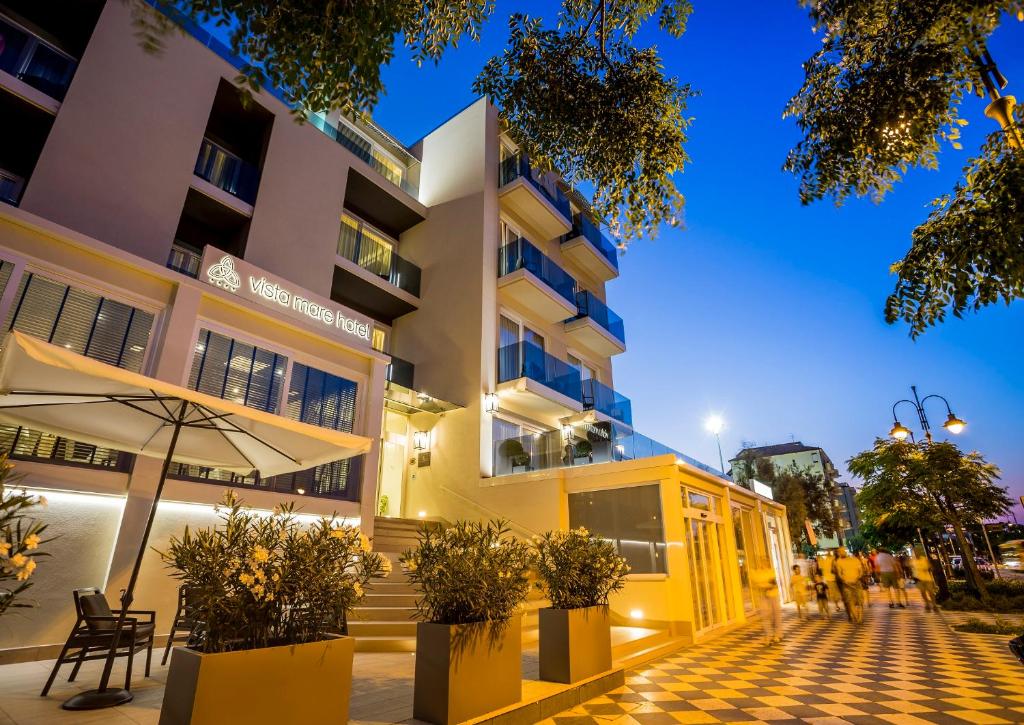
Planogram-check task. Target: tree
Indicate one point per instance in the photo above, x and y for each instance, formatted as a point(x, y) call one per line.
point(578, 97)
point(929, 484)
point(883, 95)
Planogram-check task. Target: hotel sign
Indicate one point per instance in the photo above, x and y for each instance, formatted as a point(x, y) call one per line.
point(251, 283)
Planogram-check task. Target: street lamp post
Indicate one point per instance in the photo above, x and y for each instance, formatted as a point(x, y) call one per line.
point(714, 424)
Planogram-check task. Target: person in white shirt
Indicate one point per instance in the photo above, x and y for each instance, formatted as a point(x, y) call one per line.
point(888, 572)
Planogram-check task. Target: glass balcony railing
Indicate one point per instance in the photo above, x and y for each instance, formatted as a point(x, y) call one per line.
point(526, 360)
point(401, 372)
point(520, 254)
point(184, 260)
point(583, 227)
point(29, 58)
point(590, 306)
point(228, 172)
point(372, 252)
point(518, 166)
point(11, 186)
point(589, 443)
point(598, 396)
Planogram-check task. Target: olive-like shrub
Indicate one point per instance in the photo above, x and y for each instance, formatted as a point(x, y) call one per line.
point(577, 569)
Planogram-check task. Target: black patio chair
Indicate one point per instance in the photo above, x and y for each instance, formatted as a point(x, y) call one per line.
point(93, 635)
point(184, 624)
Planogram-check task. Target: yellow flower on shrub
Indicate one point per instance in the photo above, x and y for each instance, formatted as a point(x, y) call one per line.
point(5, 548)
point(364, 542)
point(26, 570)
point(32, 542)
point(19, 560)
point(357, 589)
point(246, 578)
point(260, 554)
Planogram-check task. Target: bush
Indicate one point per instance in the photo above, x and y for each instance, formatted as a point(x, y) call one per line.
point(1004, 596)
point(469, 572)
point(1000, 626)
point(577, 569)
point(20, 538)
point(260, 581)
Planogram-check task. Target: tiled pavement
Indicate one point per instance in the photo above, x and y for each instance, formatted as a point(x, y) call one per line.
point(900, 666)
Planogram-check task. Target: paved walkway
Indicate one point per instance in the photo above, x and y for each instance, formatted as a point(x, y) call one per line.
point(900, 666)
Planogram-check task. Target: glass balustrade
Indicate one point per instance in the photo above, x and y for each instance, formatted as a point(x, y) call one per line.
point(598, 396)
point(582, 226)
point(184, 260)
point(228, 172)
point(588, 305)
point(518, 166)
point(526, 360)
point(362, 245)
point(30, 59)
point(401, 372)
point(520, 254)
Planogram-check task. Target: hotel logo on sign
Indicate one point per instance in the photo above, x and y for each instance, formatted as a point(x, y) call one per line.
point(228, 273)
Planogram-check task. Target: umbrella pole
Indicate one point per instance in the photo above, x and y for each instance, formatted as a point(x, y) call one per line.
point(103, 697)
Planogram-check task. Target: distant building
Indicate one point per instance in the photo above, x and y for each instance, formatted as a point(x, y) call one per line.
point(848, 515)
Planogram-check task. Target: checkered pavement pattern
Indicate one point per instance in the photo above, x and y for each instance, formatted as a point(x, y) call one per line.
point(901, 666)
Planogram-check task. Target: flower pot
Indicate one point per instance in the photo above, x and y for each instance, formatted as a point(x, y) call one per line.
point(520, 469)
point(574, 643)
point(466, 670)
point(293, 683)
point(582, 460)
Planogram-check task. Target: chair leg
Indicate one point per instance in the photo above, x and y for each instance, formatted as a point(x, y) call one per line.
point(167, 649)
point(128, 674)
point(149, 654)
point(78, 664)
point(53, 672)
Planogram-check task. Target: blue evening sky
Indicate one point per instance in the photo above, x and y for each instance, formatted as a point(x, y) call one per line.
point(762, 310)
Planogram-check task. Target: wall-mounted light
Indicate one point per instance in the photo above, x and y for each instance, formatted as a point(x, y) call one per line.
point(421, 440)
point(422, 514)
point(636, 614)
point(567, 432)
point(300, 491)
point(491, 403)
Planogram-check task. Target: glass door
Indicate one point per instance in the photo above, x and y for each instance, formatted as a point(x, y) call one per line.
point(704, 542)
point(744, 552)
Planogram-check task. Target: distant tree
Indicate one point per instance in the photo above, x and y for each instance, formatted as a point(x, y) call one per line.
point(928, 485)
point(578, 95)
point(883, 95)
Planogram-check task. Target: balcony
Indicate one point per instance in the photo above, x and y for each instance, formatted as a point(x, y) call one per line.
point(536, 383)
point(11, 186)
point(599, 397)
point(586, 246)
point(595, 326)
point(227, 172)
point(34, 62)
point(370, 276)
point(338, 480)
point(401, 372)
point(535, 282)
point(185, 260)
point(524, 195)
point(373, 153)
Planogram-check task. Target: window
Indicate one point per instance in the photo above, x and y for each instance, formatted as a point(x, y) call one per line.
point(630, 518)
point(586, 372)
point(237, 371)
point(380, 339)
point(322, 399)
point(360, 243)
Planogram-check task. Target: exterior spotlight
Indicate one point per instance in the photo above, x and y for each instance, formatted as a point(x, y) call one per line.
point(714, 424)
point(636, 614)
point(420, 440)
point(953, 424)
point(899, 431)
point(422, 514)
point(491, 403)
point(300, 491)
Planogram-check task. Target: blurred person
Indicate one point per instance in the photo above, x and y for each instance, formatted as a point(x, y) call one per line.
point(902, 574)
point(850, 572)
point(798, 590)
point(765, 583)
point(828, 575)
point(867, 578)
point(821, 594)
point(925, 578)
point(888, 571)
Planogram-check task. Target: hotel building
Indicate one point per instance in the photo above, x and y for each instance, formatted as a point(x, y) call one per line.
point(442, 299)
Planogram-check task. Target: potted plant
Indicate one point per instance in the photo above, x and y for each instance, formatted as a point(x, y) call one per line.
point(273, 597)
point(472, 580)
point(582, 452)
point(383, 505)
point(516, 455)
point(576, 571)
point(20, 538)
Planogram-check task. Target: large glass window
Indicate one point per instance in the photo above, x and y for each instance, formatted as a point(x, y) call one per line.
point(321, 399)
point(629, 517)
point(237, 371)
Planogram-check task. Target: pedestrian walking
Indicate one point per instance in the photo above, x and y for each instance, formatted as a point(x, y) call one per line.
point(766, 585)
point(902, 574)
point(798, 590)
point(828, 575)
point(821, 595)
point(925, 579)
point(888, 573)
point(850, 572)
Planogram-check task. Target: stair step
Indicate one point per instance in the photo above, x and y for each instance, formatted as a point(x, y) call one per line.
point(364, 628)
point(374, 599)
point(390, 587)
point(385, 644)
point(384, 614)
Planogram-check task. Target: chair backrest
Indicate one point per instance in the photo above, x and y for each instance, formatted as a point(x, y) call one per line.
point(91, 603)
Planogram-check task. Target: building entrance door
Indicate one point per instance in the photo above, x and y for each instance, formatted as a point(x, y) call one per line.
point(705, 545)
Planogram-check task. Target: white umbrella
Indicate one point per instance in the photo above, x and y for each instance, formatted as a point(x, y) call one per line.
point(49, 388)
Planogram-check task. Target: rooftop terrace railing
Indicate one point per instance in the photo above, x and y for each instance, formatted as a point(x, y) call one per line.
point(374, 254)
point(31, 59)
point(582, 226)
point(518, 166)
point(526, 360)
point(228, 172)
point(588, 305)
point(598, 396)
point(520, 254)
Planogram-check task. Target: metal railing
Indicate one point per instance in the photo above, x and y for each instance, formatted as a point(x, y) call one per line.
point(526, 360)
point(588, 444)
point(582, 226)
point(378, 257)
point(518, 166)
point(520, 254)
point(598, 396)
point(184, 260)
point(228, 172)
point(31, 59)
point(587, 305)
point(33, 445)
point(337, 480)
point(401, 372)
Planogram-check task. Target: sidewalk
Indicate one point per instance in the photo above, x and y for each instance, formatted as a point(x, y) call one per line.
point(902, 666)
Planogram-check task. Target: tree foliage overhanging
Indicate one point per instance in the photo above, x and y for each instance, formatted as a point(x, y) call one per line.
point(579, 98)
point(882, 96)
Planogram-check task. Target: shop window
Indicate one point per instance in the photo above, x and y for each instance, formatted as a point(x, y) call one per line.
point(237, 371)
point(629, 517)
